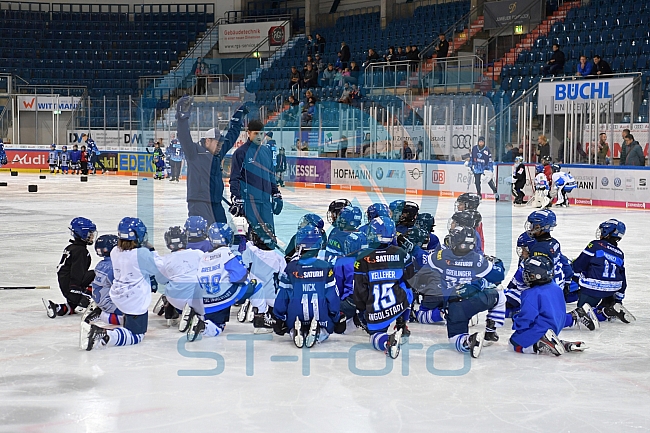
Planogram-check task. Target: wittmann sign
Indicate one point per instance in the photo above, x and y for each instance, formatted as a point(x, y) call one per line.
point(505, 13)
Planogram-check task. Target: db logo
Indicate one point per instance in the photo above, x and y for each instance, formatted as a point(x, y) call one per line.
point(438, 176)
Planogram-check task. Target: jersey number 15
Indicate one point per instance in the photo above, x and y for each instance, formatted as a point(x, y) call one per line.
point(383, 296)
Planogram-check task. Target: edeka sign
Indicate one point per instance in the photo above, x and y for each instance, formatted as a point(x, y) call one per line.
point(554, 95)
point(135, 162)
point(26, 159)
point(308, 170)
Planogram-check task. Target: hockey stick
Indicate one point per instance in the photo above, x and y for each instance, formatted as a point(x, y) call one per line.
point(23, 287)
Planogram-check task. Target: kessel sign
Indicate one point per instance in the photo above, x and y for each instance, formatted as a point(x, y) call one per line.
point(503, 13)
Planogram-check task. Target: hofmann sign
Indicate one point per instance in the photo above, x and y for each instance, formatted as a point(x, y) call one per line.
point(554, 96)
point(505, 13)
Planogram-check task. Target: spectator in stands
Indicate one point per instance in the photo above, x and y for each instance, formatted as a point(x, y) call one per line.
point(601, 67)
point(310, 78)
point(413, 57)
point(328, 76)
point(201, 71)
point(601, 150)
point(415, 51)
point(295, 78)
point(309, 61)
point(338, 76)
point(354, 73)
point(407, 153)
point(293, 102)
point(631, 152)
point(319, 46)
point(355, 95)
point(343, 147)
point(509, 156)
point(309, 46)
point(419, 151)
point(371, 58)
point(344, 55)
point(580, 154)
point(308, 115)
point(310, 97)
point(584, 67)
point(319, 64)
point(345, 96)
point(442, 50)
point(399, 55)
point(345, 76)
point(555, 65)
point(390, 55)
point(543, 148)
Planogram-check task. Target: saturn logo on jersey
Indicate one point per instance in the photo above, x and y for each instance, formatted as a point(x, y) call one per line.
point(308, 274)
point(382, 259)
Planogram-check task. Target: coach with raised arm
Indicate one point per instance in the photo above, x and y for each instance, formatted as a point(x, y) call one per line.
point(204, 162)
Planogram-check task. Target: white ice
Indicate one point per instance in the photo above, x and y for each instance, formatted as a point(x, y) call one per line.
point(48, 385)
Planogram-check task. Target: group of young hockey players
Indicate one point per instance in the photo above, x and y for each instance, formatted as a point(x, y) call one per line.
point(375, 277)
point(550, 183)
point(76, 161)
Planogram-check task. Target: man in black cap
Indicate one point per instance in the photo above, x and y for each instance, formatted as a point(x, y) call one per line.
point(204, 170)
point(253, 187)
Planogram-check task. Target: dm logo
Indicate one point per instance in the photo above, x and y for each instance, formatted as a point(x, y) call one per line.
point(512, 7)
point(617, 182)
point(379, 173)
point(604, 181)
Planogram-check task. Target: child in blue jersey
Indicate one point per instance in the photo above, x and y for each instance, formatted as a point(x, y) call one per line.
point(307, 219)
point(541, 316)
point(159, 166)
point(105, 310)
point(480, 163)
point(75, 159)
point(600, 271)
point(464, 280)
point(470, 219)
point(513, 291)
point(224, 280)
point(374, 210)
point(382, 292)
point(407, 216)
point(426, 222)
point(266, 265)
point(3, 154)
point(197, 234)
point(53, 159)
point(348, 221)
point(134, 263)
point(175, 157)
point(64, 159)
point(308, 302)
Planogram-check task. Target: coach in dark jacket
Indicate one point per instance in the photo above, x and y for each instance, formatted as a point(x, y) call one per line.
point(601, 67)
point(204, 170)
point(632, 153)
point(555, 65)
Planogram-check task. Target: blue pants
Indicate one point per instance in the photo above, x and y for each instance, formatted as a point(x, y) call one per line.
point(219, 317)
point(137, 324)
point(258, 211)
point(459, 312)
point(608, 299)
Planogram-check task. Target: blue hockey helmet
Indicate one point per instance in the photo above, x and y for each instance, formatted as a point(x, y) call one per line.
point(540, 221)
point(462, 240)
point(537, 270)
point(396, 206)
point(524, 243)
point(83, 229)
point(309, 237)
point(175, 141)
point(611, 228)
point(349, 218)
point(381, 230)
point(539, 168)
point(375, 210)
point(105, 244)
point(519, 159)
point(176, 238)
point(311, 219)
point(132, 229)
point(555, 168)
point(220, 234)
point(53, 146)
point(425, 221)
point(196, 227)
point(418, 235)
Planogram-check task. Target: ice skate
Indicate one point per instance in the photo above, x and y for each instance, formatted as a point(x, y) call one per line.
point(406, 332)
point(263, 323)
point(312, 333)
point(475, 344)
point(89, 310)
point(474, 320)
point(394, 342)
point(91, 316)
point(584, 317)
point(490, 336)
point(574, 346)
point(96, 338)
point(549, 344)
point(298, 338)
point(195, 328)
point(50, 308)
point(242, 314)
point(185, 318)
point(619, 312)
point(159, 308)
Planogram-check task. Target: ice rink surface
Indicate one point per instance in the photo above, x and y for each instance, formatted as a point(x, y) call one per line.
point(234, 384)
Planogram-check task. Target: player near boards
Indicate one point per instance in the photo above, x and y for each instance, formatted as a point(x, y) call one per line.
point(204, 162)
point(175, 156)
point(253, 187)
point(3, 154)
point(480, 163)
point(94, 153)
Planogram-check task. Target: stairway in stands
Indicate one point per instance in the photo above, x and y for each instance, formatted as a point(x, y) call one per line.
point(493, 72)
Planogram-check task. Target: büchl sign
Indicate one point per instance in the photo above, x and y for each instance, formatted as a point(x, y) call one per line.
point(554, 95)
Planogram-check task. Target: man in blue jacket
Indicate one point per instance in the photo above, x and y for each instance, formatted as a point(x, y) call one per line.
point(204, 159)
point(253, 187)
point(481, 164)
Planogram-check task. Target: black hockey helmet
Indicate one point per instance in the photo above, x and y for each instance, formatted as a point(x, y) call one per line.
point(335, 208)
point(425, 221)
point(263, 237)
point(464, 218)
point(409, 214)
point(467, 201)
point(462, 240)
point(176, 238)
point(537, 270)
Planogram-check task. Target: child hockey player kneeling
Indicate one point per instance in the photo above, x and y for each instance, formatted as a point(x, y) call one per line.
point(308, 302)
point(133, 266)
point(224, 280)
point(73, 271)
point(541, 315)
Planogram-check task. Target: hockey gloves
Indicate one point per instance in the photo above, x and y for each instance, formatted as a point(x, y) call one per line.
point(184, 108)
point(154, 284)
point(405, 243)
point(237, 207)
point(277, 203)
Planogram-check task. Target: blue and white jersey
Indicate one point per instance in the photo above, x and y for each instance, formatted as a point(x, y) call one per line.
point(92, 148)
point(562, 270)
point(223, 279)
point(181, 268)
point(481, 159)
point(307, 291)
point(541, 183)
point(64, 157)
point(601, 270)
point(564, 181)
point(53, 157)
point(102, 286)
point(266, 266)
point(175, 152)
